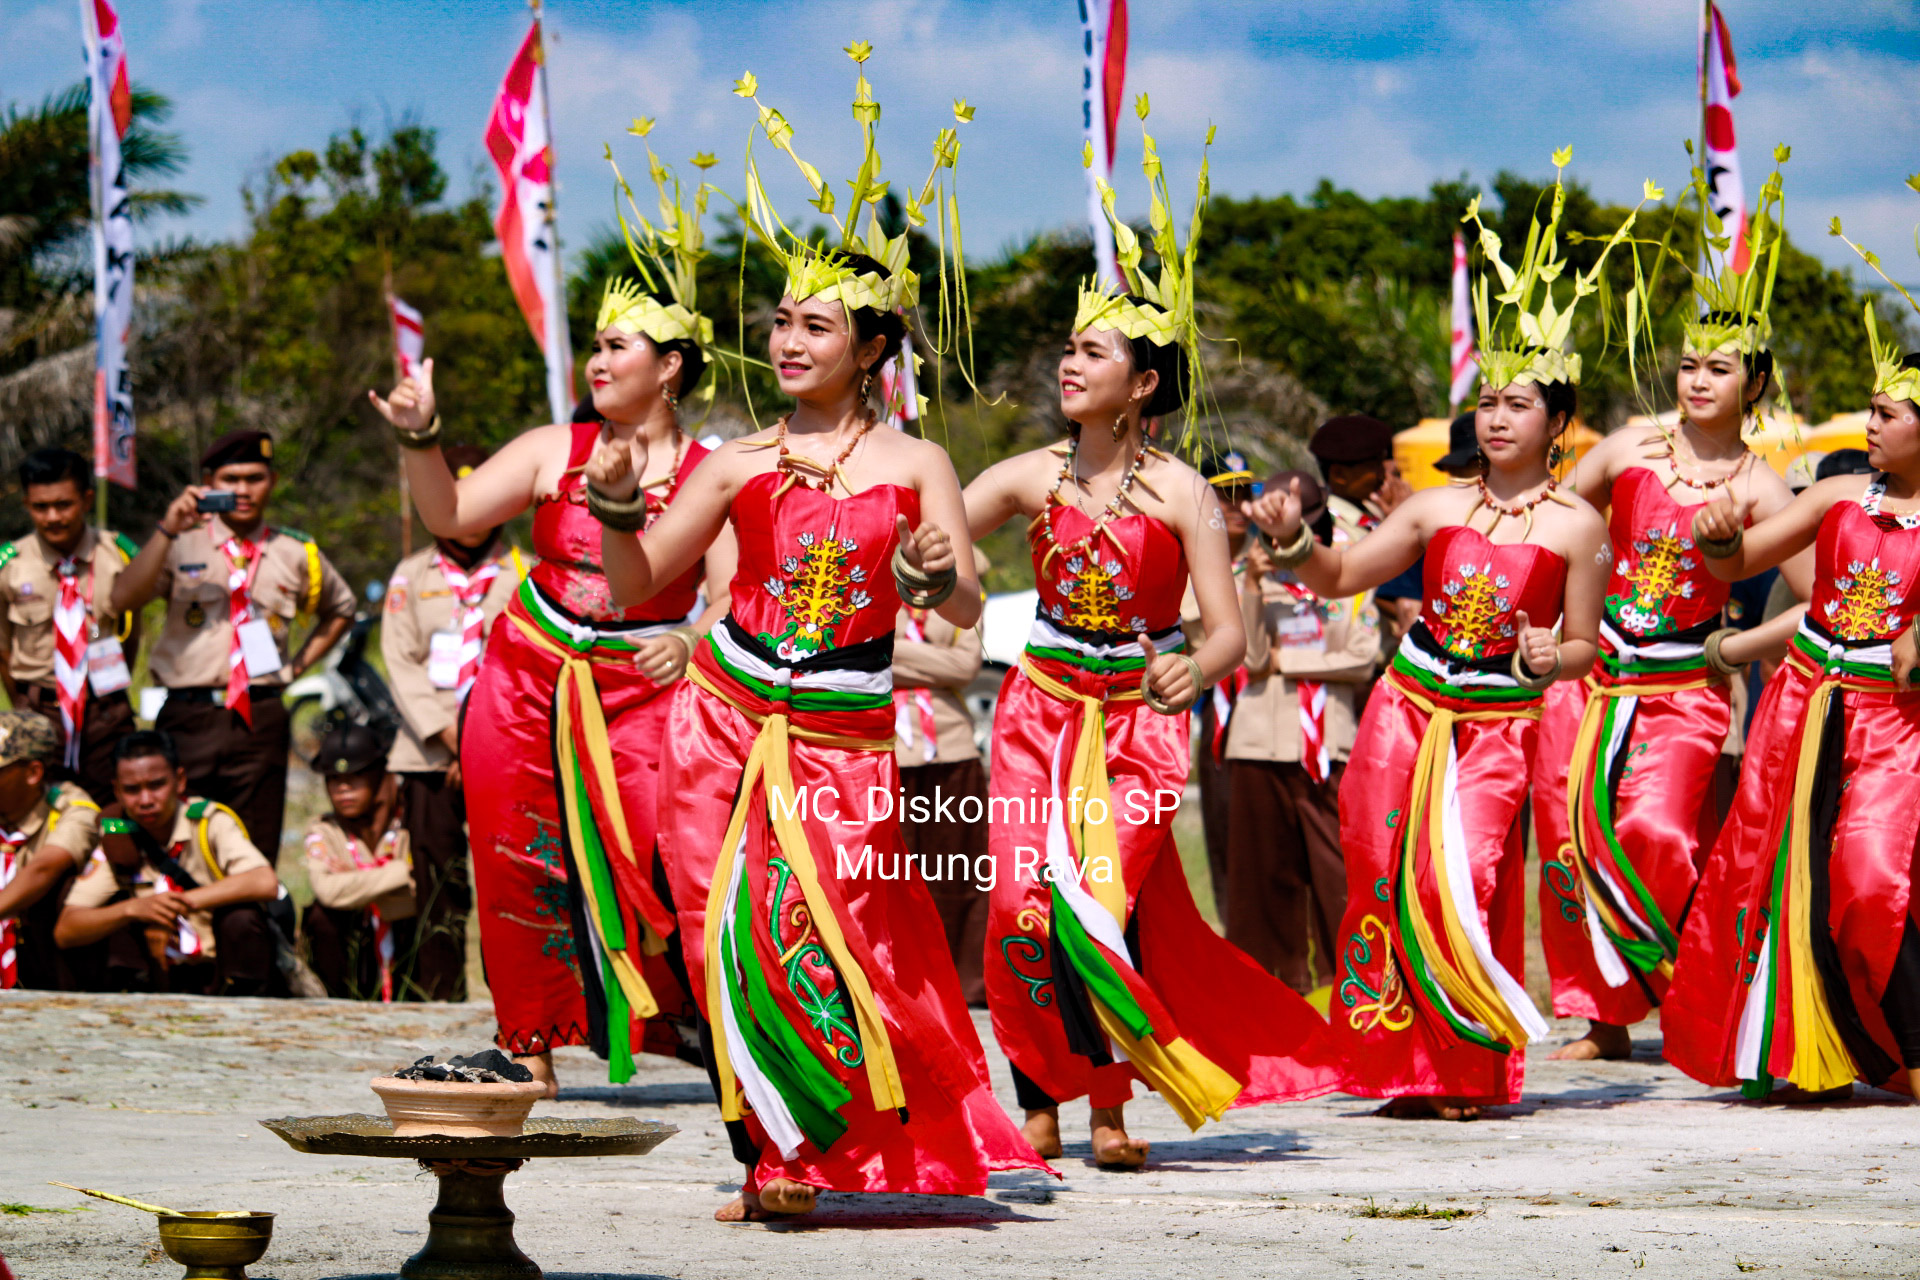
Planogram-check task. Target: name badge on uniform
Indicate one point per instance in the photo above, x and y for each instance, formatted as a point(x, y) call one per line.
point(1301, 629)
point(258, 650)
point(443, 659)
point(107, 667)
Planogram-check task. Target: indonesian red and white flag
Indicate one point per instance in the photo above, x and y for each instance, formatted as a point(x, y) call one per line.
point(900, 388)
point(1103, 35)
point(1721, 84)
point(520, 141)
point(1466, 366)
point(109, 113)
point(409, 337)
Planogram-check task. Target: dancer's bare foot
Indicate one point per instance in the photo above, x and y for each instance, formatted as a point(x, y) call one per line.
point(780, 1198)
point(541, 1064)
point(1603, 1040)
point(1112, 1148)
point(1794, 1096)
point(1042, 1132)
point(1425, 1108)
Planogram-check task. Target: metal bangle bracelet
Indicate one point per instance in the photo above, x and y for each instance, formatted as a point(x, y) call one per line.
point(1154, 700)
point(905, 572)
point(1712, 647)
point(926, 597)
point(424, 438)
point(1295, 553)
point(1716, 549)
point(1524, 677)
point(622, 516)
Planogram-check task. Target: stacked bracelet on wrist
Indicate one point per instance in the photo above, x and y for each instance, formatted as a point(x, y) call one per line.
point(918, 588)
point(1712, 646)
point(621, 516)
point(1716, 549)
point(425, 438)
point(1154, 700)
point(1295, 553)
point(1524, 677)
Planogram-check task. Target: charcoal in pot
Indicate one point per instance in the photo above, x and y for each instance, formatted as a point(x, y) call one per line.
point(497, 1062)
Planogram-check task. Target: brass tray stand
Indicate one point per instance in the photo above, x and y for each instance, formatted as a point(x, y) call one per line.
point(470, 1229)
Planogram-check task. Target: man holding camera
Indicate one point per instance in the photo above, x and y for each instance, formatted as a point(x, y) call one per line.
point(234, 585)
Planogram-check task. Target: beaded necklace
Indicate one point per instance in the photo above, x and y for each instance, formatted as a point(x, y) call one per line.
point(809, 474)
point(1518, 510)
point(1070, 475)
point(1672, 455)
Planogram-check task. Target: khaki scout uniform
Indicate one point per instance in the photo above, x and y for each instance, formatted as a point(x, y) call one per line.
point(419, 605)
point(64, 825)
point(943, 665)
point(224, 758)
point(1209, 769)
point(208, 842)
point(1287, 880)
point(342, 943)
point(29, 590)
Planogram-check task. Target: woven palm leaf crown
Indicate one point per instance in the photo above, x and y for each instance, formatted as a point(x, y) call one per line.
point(1160, 308)
point(821, 270)
point(666, 257)
point(1889, 379)
point(1734, 304)
point(1525, 340)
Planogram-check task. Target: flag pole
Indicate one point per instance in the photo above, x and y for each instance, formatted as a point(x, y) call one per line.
point(557, 313)
point(1700, 153)
point(393, 343)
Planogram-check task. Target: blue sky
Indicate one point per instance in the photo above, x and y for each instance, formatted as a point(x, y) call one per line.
point(1382, 96)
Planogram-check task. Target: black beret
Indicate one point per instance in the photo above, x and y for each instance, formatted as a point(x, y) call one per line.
point(348, 749)
point(238, 447)
point(1351, 438)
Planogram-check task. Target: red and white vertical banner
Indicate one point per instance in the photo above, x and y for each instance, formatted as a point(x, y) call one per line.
point(409, 337)
point(521, 143)
point(899, 388)
point(1103, 27)
point(109, 112)
point(1719, 86)
point(1465, 366)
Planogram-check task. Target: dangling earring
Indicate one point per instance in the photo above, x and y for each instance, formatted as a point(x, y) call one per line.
point(866, 388)
point(1119, 427)
point(671, 397)
point(1555, 456)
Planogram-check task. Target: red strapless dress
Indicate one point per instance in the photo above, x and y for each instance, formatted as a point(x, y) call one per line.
point(841, 1036)
point(1800, 955)
point(1640, 738)
point(1429, 995)
point(1100, 970)
point(560, 749)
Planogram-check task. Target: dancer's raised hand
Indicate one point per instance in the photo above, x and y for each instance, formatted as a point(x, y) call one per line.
point(1168, 675)
point(1538, 649)
point(1722, 520)
point(411, 406)
point(1277, 512)
point(616, 466)
point(927, 548)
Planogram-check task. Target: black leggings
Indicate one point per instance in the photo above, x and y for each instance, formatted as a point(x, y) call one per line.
point(1901, 1000)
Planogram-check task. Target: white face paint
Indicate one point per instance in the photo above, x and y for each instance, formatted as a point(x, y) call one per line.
point(1604, 556)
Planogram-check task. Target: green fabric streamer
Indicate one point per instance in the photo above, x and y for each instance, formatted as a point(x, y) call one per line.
point(1103, 981)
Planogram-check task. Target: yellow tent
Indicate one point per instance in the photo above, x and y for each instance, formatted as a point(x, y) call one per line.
point(1417, 448)
point(1848, 431)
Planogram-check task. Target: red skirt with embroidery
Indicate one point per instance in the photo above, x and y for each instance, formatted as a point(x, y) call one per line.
point(951, 1132)
point(1188, 981)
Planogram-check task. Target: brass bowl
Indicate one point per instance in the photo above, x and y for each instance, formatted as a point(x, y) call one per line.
point(215, 1246)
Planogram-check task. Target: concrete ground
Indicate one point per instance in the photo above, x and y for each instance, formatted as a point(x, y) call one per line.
point(1617, 1168)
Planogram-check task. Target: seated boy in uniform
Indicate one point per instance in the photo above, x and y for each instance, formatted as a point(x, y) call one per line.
point(177, 890)
point(359, 929)
point(47, 833)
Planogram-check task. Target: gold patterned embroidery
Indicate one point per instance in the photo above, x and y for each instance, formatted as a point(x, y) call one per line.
point(1094, 596)
point(821, 591)
point(1474, 610)
point(1656, 578)
point(1868, 597)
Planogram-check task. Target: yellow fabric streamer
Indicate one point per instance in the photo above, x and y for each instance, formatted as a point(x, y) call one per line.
point(1468, 986)
point(1193, 1085)
point(1820, 1057)
point(1580, 775)
point(769, 761)
point(576, 687)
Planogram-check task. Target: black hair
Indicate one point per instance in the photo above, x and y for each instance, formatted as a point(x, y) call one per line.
point(1561, 397)
point(869, 322)
point(51, 466)
point(142, 743)
point(1758, 367)
point(693, 362)
point(1176, 376)
point(585, 412)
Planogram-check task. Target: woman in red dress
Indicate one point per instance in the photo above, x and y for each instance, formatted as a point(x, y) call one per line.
point(1430, 1010)
point(1640, 739)
point(1801, 956)
point(1100, 970)
point(572, 931)
point(843, 1055)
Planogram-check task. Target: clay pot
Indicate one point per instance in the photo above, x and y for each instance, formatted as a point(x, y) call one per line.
point(447, 1108)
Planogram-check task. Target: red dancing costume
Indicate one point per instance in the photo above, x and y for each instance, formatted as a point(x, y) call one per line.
point(1638, 740)
point(841, 1039)
point(560, 745)
point(1801, 960)
point(1430, 1001)
point(1100, 970)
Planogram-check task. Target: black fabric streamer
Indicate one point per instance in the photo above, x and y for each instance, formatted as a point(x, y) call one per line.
point(1901, 1000)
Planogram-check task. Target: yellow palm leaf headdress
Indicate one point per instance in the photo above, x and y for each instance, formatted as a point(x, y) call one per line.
point(1889, 377)
point(666, 256)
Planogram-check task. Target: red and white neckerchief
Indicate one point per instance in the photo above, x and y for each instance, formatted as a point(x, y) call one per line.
point(910, 705)
point(470, 589)
point(1226, 696)
point(382, 929)
point(70, 650)
point(187, 943)
point(243, 559)
point(1314, 756)
point(12, 858)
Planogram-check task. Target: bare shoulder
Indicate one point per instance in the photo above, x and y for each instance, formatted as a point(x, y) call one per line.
point(1768, 489)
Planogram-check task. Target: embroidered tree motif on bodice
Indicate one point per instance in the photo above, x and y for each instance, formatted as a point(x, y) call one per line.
point(1474, 611)
point(1868, 597)
point(821, 591)
point(1657, 574)
point(1094, 596)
